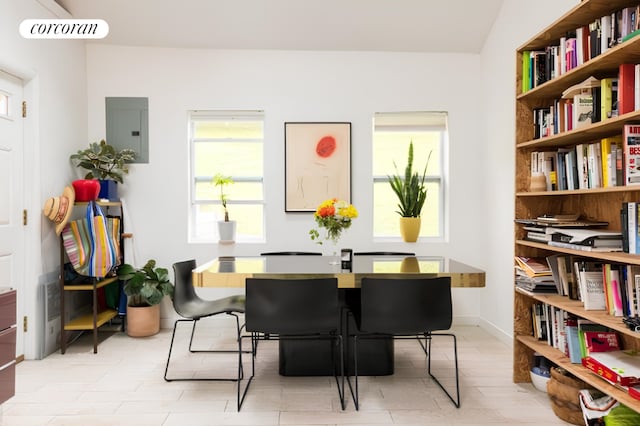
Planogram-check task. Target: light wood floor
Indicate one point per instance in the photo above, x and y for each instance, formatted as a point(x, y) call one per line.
point(123, 385)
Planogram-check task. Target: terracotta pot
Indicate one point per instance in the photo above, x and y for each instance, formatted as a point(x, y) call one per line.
point(410, 229)
point(86, 189)
point(143, 321)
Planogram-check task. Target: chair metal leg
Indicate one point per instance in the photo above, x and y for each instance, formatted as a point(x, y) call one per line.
point(223, 379)
point(242, 393)
point(224, 351)
point(339, 382)
point(429, 337)
point(255, 337)
point(354, 393)
point(355, 371)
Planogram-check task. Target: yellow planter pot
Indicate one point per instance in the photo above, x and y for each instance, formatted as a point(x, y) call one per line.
point(410, 229)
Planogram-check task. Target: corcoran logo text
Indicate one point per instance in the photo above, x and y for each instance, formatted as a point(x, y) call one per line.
point(64, 28)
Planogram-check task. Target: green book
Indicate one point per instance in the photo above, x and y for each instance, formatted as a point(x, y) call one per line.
point(526, 66)
point(586, 325)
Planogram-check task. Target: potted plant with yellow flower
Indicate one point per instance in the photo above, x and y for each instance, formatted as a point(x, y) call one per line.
point(334, 216)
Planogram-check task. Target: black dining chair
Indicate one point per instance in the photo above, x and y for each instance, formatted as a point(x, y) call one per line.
point(404, 308)
point(192, 308)
point(383, 253)
point(293, 309)
point(291, 253)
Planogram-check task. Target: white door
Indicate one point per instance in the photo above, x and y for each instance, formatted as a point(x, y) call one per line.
point(11, 193)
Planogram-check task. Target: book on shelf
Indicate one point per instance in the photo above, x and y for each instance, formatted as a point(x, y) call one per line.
point(606, 93)
point(595, 406)
point(601, 341)
point(626, 88)
point(586, 326)
point(533, 266)
point(605, 33)
point(591, 282)
point(634, 392)
point(538, 285)
point(573, 341)
point(582, 247)
point(594, 165)
point(631, 149)
point(558, 218)
point(629, 226)
point(632, 278)
point(615, 298)
point(608, 147)
point(539, 327)
point(619, 367)
point(582, 167)
point(552, 261)
point(538, 236)
point(589, 237)
point(582, 95)
point(526, 64)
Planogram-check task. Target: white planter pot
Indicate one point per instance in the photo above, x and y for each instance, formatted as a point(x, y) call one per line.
point(227, 231)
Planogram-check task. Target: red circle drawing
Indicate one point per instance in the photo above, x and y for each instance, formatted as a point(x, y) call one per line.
point(326, 146)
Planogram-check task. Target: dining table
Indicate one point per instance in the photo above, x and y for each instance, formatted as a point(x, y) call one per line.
point(228, 271)
point(306, 358)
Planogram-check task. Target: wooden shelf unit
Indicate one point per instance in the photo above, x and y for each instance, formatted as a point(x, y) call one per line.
point(96, 318)
point(598, 204)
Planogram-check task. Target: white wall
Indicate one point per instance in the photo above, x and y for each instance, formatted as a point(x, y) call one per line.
point(477, 91)
point(55, 87)
point(291, 86)
point(498, 75)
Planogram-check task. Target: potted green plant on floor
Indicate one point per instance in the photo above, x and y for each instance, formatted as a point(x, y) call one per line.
point(145, 288)
point(226, 227)
point(411, 191)
point(105, 163)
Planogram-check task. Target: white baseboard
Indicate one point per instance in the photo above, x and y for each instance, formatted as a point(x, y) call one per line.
point(496, 332)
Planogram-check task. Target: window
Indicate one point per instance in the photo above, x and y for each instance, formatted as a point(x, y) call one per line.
point(392, 133)
point(231, 143)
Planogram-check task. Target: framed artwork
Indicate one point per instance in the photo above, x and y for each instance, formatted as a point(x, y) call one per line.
point(317, 164)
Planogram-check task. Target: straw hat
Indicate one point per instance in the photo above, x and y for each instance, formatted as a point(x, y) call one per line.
point(58, 209)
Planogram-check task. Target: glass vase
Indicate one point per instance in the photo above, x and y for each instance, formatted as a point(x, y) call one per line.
point(331, 250)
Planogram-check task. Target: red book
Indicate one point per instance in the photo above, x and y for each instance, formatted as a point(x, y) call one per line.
point(618, 367)
point(634, 391)
point(626, 88)
point(631, 153)
point(601, 341)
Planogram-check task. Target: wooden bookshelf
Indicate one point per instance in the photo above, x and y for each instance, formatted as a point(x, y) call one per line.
point(602, 204)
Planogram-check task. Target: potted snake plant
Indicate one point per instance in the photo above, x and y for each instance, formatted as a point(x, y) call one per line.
point(411, 191)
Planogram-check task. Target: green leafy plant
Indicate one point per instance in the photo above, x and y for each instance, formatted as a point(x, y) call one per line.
point(145, 286)
point(103, 161)
point(410, 188)
point(222, 181)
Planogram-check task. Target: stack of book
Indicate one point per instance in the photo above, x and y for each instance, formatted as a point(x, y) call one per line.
point(534, 275)
point(568, 231)
point(587, 240)
point(619, 367)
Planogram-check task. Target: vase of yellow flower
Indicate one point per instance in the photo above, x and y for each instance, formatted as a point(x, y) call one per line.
point(334, 216)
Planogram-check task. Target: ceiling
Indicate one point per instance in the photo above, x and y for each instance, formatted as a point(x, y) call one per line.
point(362, 25)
